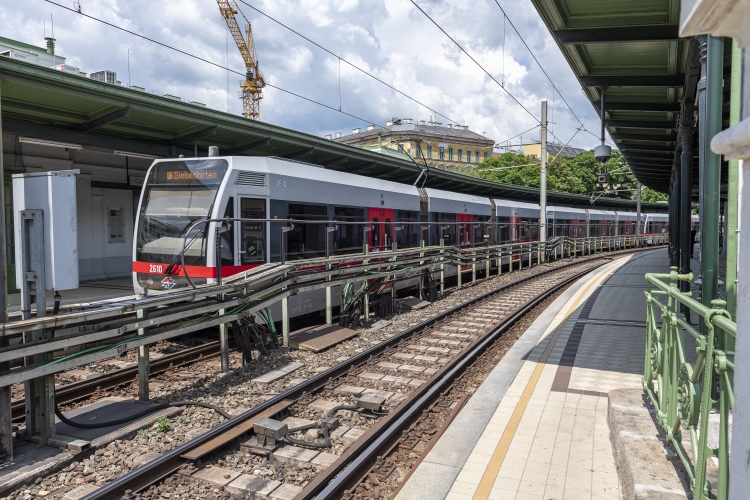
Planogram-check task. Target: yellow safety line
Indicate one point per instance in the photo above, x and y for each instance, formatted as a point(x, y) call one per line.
point(490, 474)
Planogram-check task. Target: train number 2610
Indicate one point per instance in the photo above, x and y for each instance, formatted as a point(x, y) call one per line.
point(155, 268)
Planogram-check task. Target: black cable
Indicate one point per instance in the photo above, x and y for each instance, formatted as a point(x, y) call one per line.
point(152, 409)
point(209, 62)
point(347, 62)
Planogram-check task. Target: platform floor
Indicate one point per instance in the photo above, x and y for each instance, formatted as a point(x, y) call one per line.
point(89, 291)
point(537, 427)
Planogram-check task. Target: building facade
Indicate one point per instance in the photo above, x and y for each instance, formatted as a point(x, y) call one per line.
point(449, 146)
point(535, 149)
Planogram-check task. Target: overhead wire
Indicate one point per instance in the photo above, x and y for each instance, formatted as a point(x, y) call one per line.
point(162, 44)
point(347, 62)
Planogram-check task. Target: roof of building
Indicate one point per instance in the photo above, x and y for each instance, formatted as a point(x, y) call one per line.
point(54, 105)
point(16, 43)
point(433, 130)
point(564, 150)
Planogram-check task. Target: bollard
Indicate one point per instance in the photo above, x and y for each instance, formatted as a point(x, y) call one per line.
point(442, 269)
point(367, 295)
point(143, 365)
point(224, 344)
point(285, 320)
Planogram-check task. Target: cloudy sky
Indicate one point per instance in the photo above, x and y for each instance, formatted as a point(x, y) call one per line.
point(388, 38)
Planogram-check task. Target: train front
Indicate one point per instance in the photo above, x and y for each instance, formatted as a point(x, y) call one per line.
point(176, 196)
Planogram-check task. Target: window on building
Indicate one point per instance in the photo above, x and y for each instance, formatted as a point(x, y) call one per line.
point(485, 155)
point(468, 156)
point(429, 151)
point(441, 153)
point(450, 154)
point(460, 155)
point(418, 151)
point(477, 157)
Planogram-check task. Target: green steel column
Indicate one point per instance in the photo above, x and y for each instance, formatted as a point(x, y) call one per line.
point(686, 166)
point(733, 185)
point(709, 210)
point(676, 230)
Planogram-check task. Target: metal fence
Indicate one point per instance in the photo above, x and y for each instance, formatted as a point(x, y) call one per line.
point(690, 396)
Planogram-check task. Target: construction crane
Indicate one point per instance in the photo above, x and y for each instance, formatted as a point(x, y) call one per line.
point(252, 86)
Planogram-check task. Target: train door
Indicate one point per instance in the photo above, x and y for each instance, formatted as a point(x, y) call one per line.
point(381, 236)
point(465, 238)
point(251, 236)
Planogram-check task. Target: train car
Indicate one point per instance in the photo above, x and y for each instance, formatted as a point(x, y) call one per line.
point(656, 228)
point(626, 223)
point(179, 193)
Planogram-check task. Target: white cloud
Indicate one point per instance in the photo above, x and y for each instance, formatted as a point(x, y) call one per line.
point(388, 38)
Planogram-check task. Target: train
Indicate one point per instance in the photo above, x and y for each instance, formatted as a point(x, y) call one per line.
point(177, 193)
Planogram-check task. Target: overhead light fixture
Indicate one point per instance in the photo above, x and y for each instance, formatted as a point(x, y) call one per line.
point(45, 142)
point(136, 155)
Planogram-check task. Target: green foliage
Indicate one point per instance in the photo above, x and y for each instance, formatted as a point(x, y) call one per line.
point(163, 424)
point(388, 496)
point(651, 195)
point(142, 434)
point(566, 175)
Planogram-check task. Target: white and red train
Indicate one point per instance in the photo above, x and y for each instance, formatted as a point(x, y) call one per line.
point(179, 192)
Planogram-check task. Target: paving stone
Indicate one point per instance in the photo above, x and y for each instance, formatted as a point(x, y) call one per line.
point(386, 364)
point(442, 361)
point(285, 492)
point(429, 359)
point(339, 432)
point(278, 373)
point(324, 459)
point(252, 486)
point(402, 355)
point(430, 340)
point(349, 390)
point(415, 382)
point(145, 458)
point(441, 350)
point(324, 404)
point(80, 492)
point(429, 371)
point(352, 435)
point(412, 368)
point(292, 422)
point(192, 434)
point(419, 347)
point(373, 376)
point(449, 342)
point(293, 455)
point(216, 475)
point(381, 394)
point(395, 380)
point(461, 336)
point(378, 325)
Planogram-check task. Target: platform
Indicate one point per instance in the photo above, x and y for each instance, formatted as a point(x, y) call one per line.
point(537, 427)
point(87, 292)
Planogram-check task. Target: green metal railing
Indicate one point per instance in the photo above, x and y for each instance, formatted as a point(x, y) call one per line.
point(685, 394)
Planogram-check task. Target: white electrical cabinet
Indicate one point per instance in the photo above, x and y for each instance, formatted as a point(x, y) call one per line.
point(55, 194)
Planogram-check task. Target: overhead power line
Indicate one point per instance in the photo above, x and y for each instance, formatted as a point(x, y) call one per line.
point(209, 62)
point(347, 62)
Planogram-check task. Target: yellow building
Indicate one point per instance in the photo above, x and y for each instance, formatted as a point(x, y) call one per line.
point(535, 149)
point(440, 146)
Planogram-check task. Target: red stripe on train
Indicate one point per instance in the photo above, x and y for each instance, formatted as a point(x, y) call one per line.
point(193, 271)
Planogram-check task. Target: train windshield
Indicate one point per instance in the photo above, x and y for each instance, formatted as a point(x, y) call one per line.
point(178, 194)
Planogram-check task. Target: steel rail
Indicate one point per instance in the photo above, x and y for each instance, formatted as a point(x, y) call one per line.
point(85, 388)
point(226, 432)
point(355, 463)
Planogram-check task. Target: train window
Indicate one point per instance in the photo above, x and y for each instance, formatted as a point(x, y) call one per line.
point(408, 237)
point(446, 228)
point(253, 234)
point(503, 230)
point(348, 239)
point(306, 241)
point(480, 230)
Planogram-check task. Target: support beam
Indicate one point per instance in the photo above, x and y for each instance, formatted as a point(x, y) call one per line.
point(362, 168)
point(103, 120)
point(6, 418)
point(248, 147)
point(644, 137)
point(658, 81)
point(686, 169)
point(614, 35)
point(299, 154)
point(664, 125)
point(335, 161)
point(640, 106)
point(647, 147)
point(194, 136)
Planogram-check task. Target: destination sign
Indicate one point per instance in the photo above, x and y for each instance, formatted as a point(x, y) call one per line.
point(181, 175)
point(207, 172)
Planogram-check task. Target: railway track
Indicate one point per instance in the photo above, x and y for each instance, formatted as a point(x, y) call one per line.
point(412, 371)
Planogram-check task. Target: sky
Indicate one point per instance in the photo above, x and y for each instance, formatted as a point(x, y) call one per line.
point(390, 39)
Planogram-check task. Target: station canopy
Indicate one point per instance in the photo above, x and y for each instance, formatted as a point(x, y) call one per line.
point(48, 104)
point(633, 51)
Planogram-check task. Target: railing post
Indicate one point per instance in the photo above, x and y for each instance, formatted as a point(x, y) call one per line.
point(367, 294)
point(143, 360)
point(500, 261)
point(442, 268)
point(473, 266)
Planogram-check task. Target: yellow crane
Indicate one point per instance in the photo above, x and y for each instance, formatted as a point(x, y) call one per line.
point(252, 87)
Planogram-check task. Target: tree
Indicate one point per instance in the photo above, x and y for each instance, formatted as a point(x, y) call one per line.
point(577, 175)
point(649, 194)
